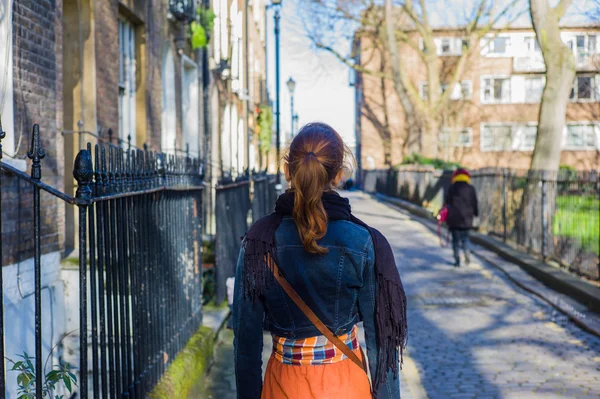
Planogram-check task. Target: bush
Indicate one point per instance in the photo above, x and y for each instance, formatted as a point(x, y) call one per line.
point(417, 159)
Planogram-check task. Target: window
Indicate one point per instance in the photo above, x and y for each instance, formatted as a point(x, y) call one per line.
point(528, 136)
point(495, 90)
point(461, 91)
point(581, 137)
point(533, 46)
point(497, 46)
point(6, 79)
point(446, 49)
point(127, 87)
point(583, 89)
point(190, 105)
point(496, 138)
point(592, 44)
point(169, 112)
point(534, 87)
point(459, 137)
point(446, 46)
point(424, 90)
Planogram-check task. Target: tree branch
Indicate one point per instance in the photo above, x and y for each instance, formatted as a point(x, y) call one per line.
point(562, 7)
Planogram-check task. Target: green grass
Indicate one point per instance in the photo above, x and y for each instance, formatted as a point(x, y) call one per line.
point(578, 217)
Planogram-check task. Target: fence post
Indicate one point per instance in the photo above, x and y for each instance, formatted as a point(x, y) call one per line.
point(83, 172)
point(544, 187)
point(504, 195)
point(36, 154)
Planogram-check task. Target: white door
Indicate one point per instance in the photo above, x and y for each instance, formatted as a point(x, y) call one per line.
point(6, 77)
point(127, 88)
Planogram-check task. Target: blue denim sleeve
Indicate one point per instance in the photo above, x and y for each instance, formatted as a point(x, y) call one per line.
point(248, 341)
point(390, 389)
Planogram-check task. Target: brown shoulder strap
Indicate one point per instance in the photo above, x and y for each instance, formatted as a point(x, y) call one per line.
point(314, 319)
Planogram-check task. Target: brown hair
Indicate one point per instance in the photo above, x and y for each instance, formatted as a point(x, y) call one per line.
point(315, 157)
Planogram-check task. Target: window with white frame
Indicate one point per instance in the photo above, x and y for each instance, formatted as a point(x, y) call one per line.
point(446, 46)
point(169, 111)
point(456, 137)
point(532, 45)
point(495, 90)
point(534, 88)
point(581, 137)
point(497, 46)
point(6, 79)
point(127, 88)
point(424, 90)
point(496, 137)
point(528, 134)
point(461, 91)
point(583, 89)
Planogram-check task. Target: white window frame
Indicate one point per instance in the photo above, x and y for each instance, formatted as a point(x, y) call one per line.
point(543, 79)
point(487, 46)
point(518, 137)
point(127, 86)
point(424, 93)
point(6, 83)
point(447, 132)
point(455, 43)
point(482, 128)
point(493, 101)
point(596, 127)
point(594, 89)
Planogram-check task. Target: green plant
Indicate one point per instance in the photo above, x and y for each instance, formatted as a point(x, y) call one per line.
point(417, 159)
point(208, 251)
point(204, 23)
point(265, 124)
point(26, 378)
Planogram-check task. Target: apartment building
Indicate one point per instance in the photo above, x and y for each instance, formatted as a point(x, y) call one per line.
point(493, 112)
point(238, 64)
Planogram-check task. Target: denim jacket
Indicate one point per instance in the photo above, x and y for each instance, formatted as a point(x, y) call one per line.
point(338, 286)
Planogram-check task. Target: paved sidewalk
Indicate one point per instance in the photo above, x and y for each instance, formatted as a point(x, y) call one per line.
point(472, 333)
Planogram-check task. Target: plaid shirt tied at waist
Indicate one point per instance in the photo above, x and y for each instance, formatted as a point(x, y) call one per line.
point(314, 350)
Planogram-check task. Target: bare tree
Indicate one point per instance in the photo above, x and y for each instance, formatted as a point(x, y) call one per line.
point(407, 26)
point(560, 73)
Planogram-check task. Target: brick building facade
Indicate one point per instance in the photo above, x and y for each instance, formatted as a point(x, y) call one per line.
point(492, 116)
point(79, 68)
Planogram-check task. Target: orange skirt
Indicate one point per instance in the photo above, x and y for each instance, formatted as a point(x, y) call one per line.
point(341, 380)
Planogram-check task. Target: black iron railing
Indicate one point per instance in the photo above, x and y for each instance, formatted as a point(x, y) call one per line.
point(264, 195)
point(139, 259)
point(555, 215)
point(232, 204)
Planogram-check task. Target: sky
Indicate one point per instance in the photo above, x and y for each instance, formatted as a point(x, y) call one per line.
point(322, 90)
point(322, 83)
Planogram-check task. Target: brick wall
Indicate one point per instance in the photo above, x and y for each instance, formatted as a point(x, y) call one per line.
point(107, 64)
point(37, 66)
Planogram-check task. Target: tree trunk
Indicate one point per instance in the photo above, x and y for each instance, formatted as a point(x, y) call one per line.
point(429, 135)
point(560, 73)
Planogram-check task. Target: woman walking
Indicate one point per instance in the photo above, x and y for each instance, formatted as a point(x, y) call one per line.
point(309, 273)
point(461, 201)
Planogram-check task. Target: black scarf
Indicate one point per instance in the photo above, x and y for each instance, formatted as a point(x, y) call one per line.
point(390, 303)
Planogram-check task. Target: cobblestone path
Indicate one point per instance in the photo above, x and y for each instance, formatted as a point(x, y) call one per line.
point(472, 333)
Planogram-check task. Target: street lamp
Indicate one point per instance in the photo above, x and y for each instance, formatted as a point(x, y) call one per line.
point(291, 84)
point(277, 18)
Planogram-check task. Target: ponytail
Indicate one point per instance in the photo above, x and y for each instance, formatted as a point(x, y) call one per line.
point(315, 158)
point(309, 214)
